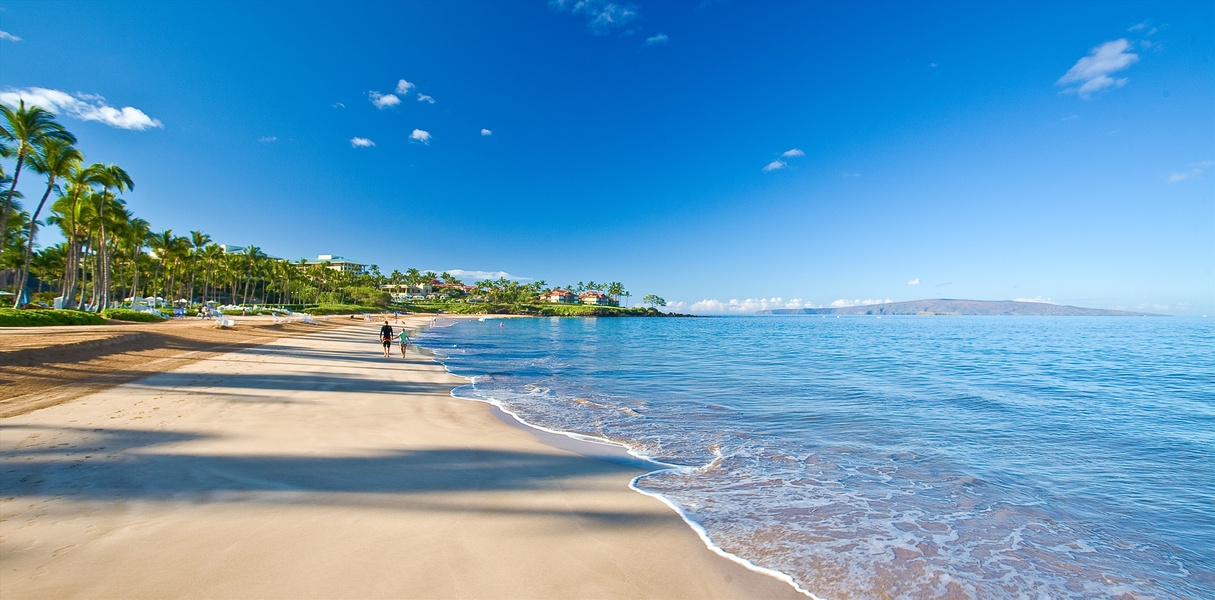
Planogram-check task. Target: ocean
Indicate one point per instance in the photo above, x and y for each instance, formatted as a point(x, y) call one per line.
point(903, 457)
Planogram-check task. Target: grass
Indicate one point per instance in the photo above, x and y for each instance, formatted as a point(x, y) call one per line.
point(126, 314)
point(24, 317)
point(343, 309)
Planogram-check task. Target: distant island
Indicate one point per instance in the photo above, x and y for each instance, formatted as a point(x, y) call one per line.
point(962, 307)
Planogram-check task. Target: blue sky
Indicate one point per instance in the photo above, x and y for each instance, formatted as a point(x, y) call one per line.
point(727, 156)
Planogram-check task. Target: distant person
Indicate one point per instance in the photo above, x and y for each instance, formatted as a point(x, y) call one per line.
point(404, 341)
point(386, 337)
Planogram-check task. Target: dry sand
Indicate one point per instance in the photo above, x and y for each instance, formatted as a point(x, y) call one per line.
point(312, 467)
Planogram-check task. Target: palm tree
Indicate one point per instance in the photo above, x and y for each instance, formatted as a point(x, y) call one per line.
point(27, 129)
point(198, 240)
point(139, 233)
point(115, 178)
point(211, 254)
point(55, 158)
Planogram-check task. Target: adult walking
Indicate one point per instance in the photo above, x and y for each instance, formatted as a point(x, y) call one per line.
point(386, 337)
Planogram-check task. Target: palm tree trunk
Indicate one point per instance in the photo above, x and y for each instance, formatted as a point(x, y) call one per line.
point(8, 203)
point(23, 275)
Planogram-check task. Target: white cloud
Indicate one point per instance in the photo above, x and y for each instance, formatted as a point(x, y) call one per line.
point(1038, 299)
point(338, 105)
point(86, 107)
point(1091, 73)
point(1197, 169)
point(915, 281)
point(358, 142)
point(656, 39)
point(403, 87)
point(473, 276)
point(845, 303)
point(486, 132)
point(774, 165)
point(4, 35)
point(737, 307)
point(425, 98)
point(267, 138)
point(932, 65)
point(792, 153)
point(382, 101)
point(601, 15)
point(420, 136)
point(850, 175)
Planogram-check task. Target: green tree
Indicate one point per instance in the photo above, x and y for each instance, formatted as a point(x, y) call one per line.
point(26, 129)
point(54, 158)
point(653, 301)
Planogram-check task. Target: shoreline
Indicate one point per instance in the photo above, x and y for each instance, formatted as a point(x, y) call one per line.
point(311, 466)
point(609, 450)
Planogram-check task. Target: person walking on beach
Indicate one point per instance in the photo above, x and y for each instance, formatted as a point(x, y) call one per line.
point(404, 341)
point(386, 337)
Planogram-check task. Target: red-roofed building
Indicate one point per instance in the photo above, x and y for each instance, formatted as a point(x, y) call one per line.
point(560, 296)
point(596, 297)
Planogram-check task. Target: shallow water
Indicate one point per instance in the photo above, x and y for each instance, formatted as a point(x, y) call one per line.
point(913, 457)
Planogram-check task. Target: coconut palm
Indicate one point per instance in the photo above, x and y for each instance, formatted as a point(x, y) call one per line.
point(109, 177)
point(198, 241)
point(55, 158)
point(23, 131)
point(138, 233)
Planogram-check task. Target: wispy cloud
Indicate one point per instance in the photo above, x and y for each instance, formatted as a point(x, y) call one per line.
point(656, 39)
point(845, 303)
point(943, 284)
point(486, 132)
point(472, 276)
point(425, 98)
point(793, 153)
point(602, 16)
point(1145, 27)
point(1197, 169)
point(265, 139)
point(403, 87)
point(915, 281)
point(338, 105)
point(419, 135)
point(774, 165)
point(736, 306)
point(1037, 299)
point(4, 35)
point(1092, 73)
point(850, 175)
point(86, 107)
point(359, 142)
point(382, 101)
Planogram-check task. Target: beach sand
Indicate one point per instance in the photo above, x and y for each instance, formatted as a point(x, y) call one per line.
point(312, 467)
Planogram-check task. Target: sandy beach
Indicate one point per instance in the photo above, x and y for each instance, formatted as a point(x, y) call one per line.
point(312, 467)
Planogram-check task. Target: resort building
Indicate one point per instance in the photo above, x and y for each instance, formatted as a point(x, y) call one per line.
point(560, 296)
point(337, 263)
point(596, 297)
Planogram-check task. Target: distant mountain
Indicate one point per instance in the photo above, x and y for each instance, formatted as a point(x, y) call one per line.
point(961, 307)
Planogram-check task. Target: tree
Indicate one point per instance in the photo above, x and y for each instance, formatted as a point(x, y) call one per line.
point(653, 301)
point(28, 129)
point(198, 241)
point(109, 177)
point(55, 158)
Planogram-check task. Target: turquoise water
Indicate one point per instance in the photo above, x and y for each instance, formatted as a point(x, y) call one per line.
point(913, 457)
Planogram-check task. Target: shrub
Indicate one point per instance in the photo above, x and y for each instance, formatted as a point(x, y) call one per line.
point(341, 309)
point(10, 317)
point(126, 314)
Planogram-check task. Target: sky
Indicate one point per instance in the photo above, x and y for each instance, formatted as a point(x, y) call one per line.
point(727, 156)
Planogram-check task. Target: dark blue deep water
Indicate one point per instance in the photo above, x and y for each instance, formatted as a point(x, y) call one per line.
point(911, 457)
